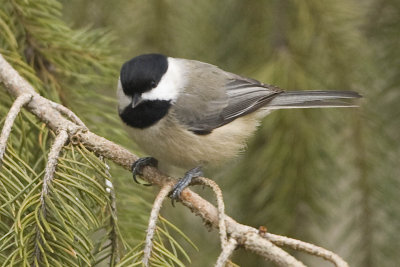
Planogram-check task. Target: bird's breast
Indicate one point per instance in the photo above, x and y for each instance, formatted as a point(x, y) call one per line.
point(171, 143)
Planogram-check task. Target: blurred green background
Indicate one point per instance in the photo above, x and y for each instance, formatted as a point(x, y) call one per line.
point(329, 177)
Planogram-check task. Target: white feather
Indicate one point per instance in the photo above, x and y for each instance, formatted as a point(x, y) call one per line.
point(123, 99)
point(170, 84)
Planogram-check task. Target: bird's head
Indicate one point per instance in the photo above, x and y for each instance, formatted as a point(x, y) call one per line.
point(140, 75)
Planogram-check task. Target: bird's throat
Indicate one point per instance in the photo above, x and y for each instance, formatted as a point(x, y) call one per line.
point(145, 114)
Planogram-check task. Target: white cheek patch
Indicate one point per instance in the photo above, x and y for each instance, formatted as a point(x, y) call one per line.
point(123, 100)
point(170, 84)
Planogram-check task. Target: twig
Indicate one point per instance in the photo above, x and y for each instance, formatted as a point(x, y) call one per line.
point(42, 108)
point(227, 251)
point(155, 211)
point(8, 123)
point(220, 206)
point(58, 144)
point(269, 251)
point(71, 115)
point(306, 247)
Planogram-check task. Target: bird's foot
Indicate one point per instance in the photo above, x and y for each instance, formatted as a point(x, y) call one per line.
point(175, 193)
point(138, 166)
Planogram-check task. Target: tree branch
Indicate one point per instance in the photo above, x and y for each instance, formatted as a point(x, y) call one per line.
point(246, 236)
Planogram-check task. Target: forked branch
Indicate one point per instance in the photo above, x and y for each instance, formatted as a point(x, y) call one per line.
point(227, 251)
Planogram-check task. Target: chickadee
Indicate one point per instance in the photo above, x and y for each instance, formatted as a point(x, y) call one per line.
point(189, 114)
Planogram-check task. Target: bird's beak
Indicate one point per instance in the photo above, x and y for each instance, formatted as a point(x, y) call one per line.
point(136, 100)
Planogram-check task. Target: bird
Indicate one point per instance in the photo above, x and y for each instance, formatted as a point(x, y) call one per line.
point(190, 114)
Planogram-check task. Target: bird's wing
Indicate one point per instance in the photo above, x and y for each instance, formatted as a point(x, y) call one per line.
point(213, 97)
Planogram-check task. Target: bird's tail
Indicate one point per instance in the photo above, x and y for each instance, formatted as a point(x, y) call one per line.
point(313, 99)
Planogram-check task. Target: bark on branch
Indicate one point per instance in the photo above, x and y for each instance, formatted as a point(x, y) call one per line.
point(265, 245)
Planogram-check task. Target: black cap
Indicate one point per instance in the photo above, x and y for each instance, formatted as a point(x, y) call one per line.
point(143, 73)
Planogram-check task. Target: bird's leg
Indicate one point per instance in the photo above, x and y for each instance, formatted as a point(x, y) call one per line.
point(175, 193)
point(138, 165)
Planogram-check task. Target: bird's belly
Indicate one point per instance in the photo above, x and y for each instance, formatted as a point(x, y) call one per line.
point(172, 144)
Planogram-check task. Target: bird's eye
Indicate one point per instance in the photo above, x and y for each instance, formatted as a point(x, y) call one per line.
point(153, 84)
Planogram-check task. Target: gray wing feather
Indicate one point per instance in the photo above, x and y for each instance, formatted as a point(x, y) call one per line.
point(246, 96)
point(215, 97)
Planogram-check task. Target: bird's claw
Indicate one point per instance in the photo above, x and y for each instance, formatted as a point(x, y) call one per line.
point(138, 166)
point(175, 193)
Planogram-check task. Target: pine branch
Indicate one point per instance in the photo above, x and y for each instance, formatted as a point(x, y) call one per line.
point(246, 236)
